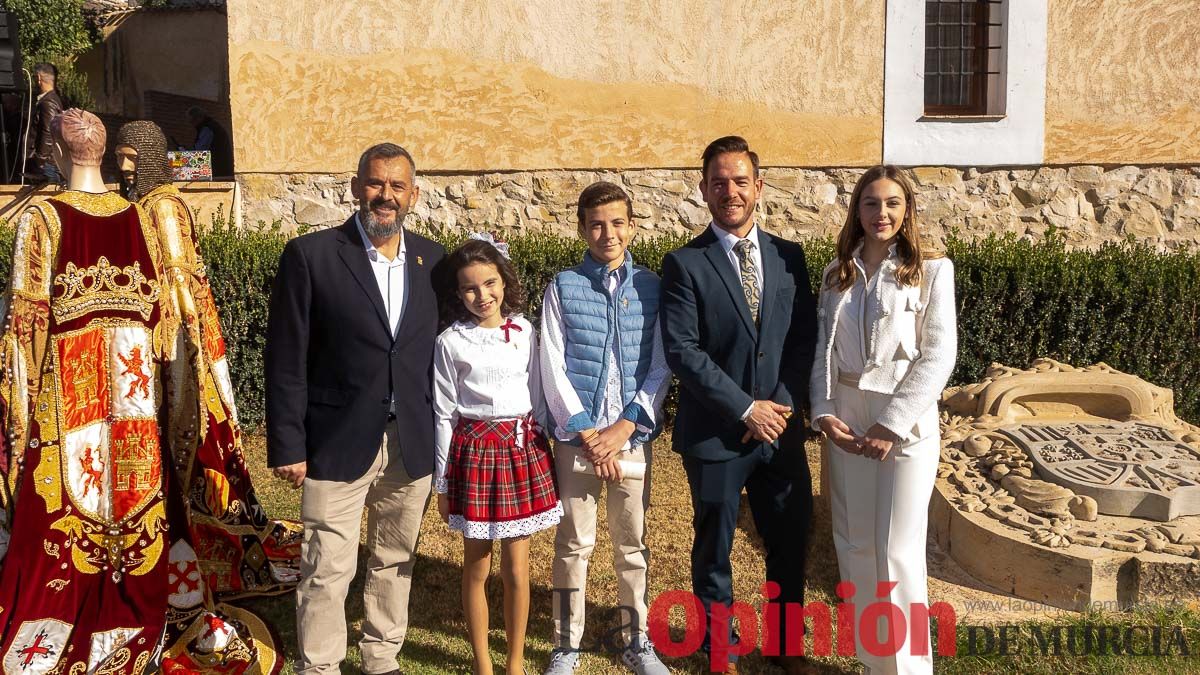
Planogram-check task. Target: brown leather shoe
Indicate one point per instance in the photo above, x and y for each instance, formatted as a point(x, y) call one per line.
point(793, 665)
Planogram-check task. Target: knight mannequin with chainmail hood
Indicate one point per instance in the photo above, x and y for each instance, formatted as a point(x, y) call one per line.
point(141, 151)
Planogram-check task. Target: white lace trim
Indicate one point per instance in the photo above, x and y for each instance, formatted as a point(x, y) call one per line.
point(476, 529)
point(478, 335)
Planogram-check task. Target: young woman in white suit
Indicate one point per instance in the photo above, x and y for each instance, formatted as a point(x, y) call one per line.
point(885, 350)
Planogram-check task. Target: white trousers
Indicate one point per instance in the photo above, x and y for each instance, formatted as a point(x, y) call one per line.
point(880, 512)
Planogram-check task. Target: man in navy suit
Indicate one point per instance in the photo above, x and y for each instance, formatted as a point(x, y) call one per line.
point(739, 326)
point(349, 415)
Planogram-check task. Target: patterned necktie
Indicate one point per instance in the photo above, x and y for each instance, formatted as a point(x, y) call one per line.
point(748, 271)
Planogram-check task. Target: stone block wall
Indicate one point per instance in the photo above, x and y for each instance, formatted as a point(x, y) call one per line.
point(1089, 204)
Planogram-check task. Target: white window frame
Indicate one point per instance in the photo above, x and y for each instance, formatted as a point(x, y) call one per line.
point(1013, 131)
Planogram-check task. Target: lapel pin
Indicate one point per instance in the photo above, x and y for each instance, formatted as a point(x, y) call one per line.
point(420, 260)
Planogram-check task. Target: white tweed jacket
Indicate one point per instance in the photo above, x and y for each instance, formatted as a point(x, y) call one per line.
point(910, 349)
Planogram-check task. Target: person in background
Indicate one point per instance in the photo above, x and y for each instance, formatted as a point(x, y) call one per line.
point(39, 153)
point(211, 136)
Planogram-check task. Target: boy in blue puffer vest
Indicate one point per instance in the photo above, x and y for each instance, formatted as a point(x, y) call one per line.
point(604, 376)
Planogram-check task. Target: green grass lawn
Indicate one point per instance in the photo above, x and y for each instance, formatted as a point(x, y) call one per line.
point(437, 643)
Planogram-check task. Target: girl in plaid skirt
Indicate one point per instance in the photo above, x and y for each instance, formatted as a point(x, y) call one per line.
point(493, 474)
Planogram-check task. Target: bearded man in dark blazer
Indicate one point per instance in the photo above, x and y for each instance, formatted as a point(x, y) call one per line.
point(349, 359)
point(739, 327)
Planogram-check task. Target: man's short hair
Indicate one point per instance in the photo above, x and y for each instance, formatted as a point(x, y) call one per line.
point(724, 145)
point(196, 112)
point(599, 194)
point(384, 151)
point(46, 69)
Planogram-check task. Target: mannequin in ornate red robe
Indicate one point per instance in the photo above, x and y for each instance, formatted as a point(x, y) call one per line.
point(127, 501)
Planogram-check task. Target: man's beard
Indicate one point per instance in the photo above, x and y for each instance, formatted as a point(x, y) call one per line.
point(378, 230)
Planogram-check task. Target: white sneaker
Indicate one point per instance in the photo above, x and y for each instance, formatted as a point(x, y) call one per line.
point(643, 660)
point(562, 662)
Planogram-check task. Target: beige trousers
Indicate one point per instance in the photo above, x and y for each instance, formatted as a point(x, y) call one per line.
point(576, 537)
point(332, 516)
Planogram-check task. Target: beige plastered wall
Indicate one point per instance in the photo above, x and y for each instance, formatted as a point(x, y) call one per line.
point(536, 84)
point(1123, 82)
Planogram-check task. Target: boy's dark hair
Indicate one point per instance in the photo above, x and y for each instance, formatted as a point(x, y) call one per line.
point(474, 252)
point(599, 194)
point(727, 144)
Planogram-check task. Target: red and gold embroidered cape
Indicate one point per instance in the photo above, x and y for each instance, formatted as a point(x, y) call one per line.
point(128, 507)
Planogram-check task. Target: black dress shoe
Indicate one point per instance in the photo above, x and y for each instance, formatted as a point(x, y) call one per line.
point(390, 672)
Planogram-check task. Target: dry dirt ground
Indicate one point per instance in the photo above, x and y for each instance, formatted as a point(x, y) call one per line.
point(436, 640)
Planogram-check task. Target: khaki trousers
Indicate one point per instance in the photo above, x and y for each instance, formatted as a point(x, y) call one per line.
point(332, 515)
point(576, 537)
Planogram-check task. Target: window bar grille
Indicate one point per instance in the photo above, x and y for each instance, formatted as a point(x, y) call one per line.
point(957, 55)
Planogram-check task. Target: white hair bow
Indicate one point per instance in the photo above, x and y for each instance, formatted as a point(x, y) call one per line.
point(491, 239)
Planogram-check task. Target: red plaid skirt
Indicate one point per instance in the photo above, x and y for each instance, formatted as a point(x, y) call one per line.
point(500, 478)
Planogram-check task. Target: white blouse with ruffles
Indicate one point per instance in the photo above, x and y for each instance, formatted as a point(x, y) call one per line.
point(478, 374)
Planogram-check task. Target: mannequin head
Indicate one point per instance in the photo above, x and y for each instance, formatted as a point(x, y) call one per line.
point(142, 158)
point(79, 138)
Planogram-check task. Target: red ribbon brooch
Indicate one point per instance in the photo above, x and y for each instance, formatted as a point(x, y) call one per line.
point(509, 326)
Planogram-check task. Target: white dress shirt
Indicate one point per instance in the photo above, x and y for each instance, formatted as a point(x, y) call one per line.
point(728, 241)
point(562, 400)
point(390, 275)
point(850, 339)
point(480, 375)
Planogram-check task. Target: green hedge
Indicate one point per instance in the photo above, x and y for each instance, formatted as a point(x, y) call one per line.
point(1126, 304)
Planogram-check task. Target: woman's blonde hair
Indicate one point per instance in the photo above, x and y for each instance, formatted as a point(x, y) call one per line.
point(908, 240)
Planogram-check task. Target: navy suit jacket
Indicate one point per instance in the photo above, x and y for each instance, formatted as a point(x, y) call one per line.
point(723, 361)
point(333, 364)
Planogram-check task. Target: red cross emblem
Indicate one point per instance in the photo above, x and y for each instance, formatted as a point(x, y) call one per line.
point(509, 326)
point(35, 649)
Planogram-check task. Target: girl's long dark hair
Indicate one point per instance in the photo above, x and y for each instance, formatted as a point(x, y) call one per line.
point(475, 252)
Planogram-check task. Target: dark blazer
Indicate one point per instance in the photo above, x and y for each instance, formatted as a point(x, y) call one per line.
point(723, 361)
point(332, 363)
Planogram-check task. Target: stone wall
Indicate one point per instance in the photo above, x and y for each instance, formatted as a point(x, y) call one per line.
point(1090, 204)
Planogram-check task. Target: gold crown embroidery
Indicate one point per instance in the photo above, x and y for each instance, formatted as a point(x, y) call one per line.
point(103, 286)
